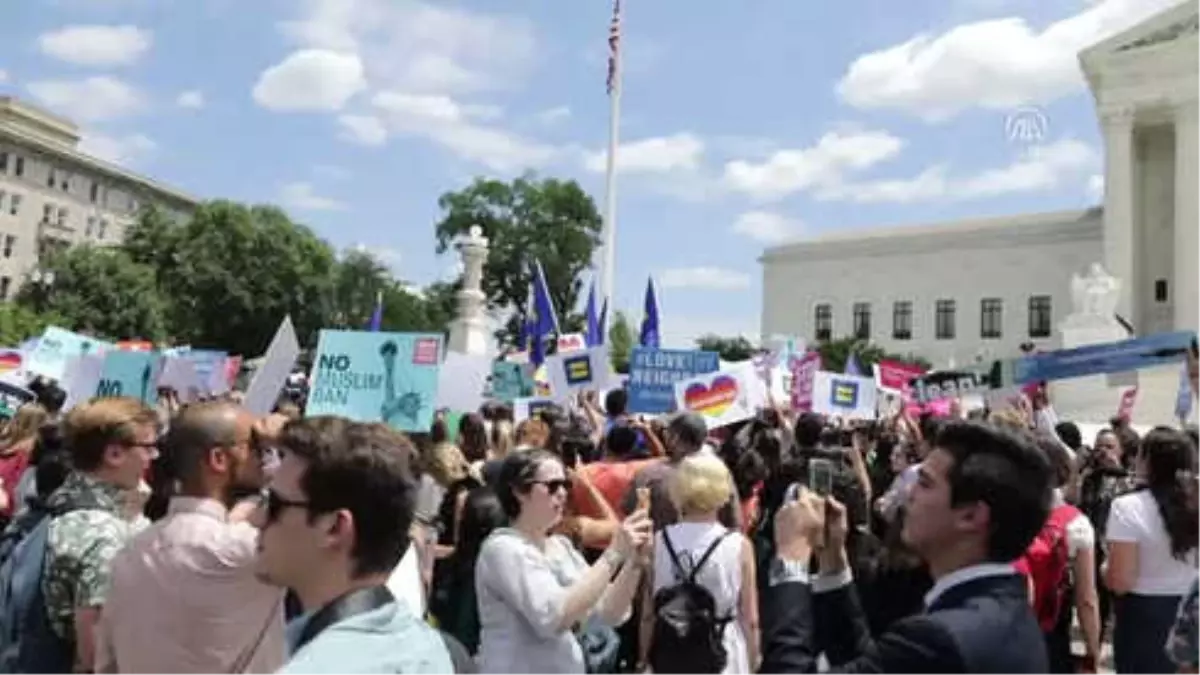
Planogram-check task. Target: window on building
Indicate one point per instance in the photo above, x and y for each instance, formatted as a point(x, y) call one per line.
point(51, 179)
point(944, 319)
point(5, 286)
point(47, 212)
point(862, 320)
point(19, 167)
point(10, 242)
point(94, 194)
point(3, 162)
point(62, 216)
point(991, 318)
point(902, 315)
point(1160, 290)
point(103, 227)
point(1039, 316)
point(823, 321)
point(91, 225)
point(2, 195)
point(15, 204)
point(64, 182)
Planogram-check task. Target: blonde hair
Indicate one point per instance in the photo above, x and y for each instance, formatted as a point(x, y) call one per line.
point(446, 463)
point(90, 428)
point(533, 433)
point(24, 425)
point(1008, 418)
point(502, 439)
point(700, 484)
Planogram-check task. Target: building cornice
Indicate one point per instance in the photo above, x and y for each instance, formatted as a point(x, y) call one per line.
point(20, 135)
point(1015, 231)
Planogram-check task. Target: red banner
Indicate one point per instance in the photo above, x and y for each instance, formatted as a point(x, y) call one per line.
point(896, 376)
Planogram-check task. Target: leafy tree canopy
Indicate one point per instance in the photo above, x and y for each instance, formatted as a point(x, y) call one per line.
point(548, 220)
point(620, 343)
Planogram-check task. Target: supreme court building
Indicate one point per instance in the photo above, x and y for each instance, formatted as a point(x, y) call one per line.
point(958, 292)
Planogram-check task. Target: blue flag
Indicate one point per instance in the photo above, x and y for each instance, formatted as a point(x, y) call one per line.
point(545, 321)
point(852, 366)
point(377, 315)
point(650, 336)
point(594, 333)
point(603, 323)
point(1183, 400)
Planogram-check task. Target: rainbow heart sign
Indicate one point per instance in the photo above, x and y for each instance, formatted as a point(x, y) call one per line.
point(713, 399)
point(10, 360)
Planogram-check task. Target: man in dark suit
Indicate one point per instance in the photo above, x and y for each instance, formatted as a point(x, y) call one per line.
point(981, 496)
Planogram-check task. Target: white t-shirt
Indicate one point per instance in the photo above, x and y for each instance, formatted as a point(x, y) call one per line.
point(1135, 518)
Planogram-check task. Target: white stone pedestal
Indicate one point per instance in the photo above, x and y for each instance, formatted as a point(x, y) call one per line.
point(1090, 399)
point(470, 333)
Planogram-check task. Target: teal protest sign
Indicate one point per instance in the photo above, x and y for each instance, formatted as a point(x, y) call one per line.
point(376, 377)
point(511, 381)
point(130, 374)
point(57, 348)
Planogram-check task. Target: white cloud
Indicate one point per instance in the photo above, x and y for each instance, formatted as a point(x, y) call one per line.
point(993, 64)
point(662, 154)
point(126, 150)
point(789, 171)
point(704, 278)
point(1038, 168)
point(92, 99)
point(303, 196)
point(418, 46)
point(554, 115)
point(766, 227)
point(193, 98)
point(455, 127)
point(311, 80)
point(1095, 187)
point(97, 46)
point(363, 129)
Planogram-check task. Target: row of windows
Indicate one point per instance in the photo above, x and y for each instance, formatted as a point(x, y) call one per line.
point(59, 179)
point(52, 213)
point(991, 312)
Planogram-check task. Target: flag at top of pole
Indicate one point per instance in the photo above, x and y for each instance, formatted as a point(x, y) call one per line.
point(650, 336)
point(613, 84)
point(545, 321)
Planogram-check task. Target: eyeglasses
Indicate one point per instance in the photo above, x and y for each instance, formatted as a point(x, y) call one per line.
point(553, 486)
point(275, 505)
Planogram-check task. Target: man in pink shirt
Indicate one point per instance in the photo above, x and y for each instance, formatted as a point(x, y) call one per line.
point(184, 597)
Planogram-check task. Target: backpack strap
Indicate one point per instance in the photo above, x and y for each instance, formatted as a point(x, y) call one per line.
point(671, 551)
point(712, 548)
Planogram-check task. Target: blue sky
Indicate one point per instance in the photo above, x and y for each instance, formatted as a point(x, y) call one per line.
point(745, 124)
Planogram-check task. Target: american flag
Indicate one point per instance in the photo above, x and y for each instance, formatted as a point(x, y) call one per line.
point(614, 45)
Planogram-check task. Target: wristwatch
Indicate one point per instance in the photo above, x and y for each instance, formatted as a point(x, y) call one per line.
point(787, 571)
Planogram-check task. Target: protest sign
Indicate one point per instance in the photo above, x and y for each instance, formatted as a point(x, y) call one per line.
point(11, 361)
point(1128, 401)
point(576, 371)
point(56, 348)
point(376, 377)
point(897, 377)
point(723, 397)
point(511, 381)
point(130, 373)
point(12, 397)
point(180, 375)
point(571, 342)
point(81, 378)
point(847, 396)
point(526, 408)
point(654, 372)
point(804, 368)
point(461, 381)
point(1110, 357)
point(263, 392)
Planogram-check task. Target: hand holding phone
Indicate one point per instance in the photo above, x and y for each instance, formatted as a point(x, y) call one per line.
point(820, 476)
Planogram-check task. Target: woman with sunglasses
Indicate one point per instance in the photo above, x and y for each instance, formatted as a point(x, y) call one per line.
point(535, 590)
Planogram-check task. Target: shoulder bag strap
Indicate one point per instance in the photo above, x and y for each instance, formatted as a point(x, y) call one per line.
point(351, 604)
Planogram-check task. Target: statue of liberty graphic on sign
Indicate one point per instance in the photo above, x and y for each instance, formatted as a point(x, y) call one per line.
point(396, 407)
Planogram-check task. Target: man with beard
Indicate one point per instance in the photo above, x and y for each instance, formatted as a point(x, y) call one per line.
point(184, 597)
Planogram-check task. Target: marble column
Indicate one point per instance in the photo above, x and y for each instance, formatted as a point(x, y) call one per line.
point(1119, 240)
point(1187, 222)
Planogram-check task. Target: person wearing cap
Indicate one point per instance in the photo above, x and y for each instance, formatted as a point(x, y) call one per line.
point(685, 435)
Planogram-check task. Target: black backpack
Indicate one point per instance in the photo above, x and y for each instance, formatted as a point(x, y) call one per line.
point(687, 631)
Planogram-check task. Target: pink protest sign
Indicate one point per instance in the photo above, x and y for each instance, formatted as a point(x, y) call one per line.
point(1128, 401)
point(897, 376)
point(803, 369)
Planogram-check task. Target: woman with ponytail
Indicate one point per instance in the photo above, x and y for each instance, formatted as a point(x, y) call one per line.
point(1152, 535)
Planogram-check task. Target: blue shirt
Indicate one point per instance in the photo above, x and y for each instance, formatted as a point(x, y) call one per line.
point(390, 639)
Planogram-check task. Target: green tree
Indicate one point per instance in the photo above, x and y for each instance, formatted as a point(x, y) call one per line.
point(359, 278)
point(835, 353)
point(620, 343)
point(236, 271)
point(730, 349)
point(551, 221)
point(100, 290)
point(18, 323)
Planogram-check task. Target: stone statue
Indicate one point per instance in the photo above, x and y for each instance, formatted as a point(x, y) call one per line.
point(1095, 295)
point(470, 331)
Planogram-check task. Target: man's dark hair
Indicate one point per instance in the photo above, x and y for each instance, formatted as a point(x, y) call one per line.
point(198, 428)
point(808, 429)
point(1007, 472)
point(688, 429)
point(616, 402)
point(1069, 433)
point(621, 441)
point(352, 466)
point(52, 397)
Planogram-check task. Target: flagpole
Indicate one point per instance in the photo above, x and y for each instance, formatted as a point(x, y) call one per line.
point(610, 173)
